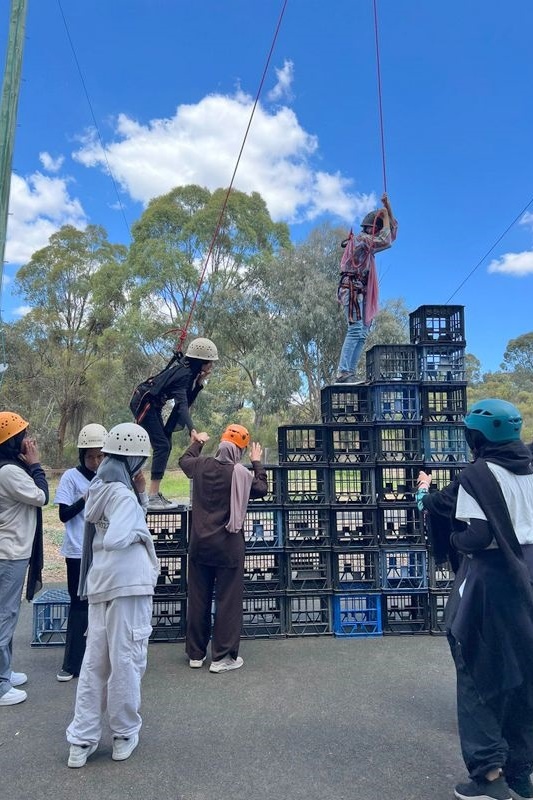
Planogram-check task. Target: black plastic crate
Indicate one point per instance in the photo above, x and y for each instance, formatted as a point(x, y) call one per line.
point(357, 615)
point(406, 613)
point(304, 485)
point(169, 530)
point(306, 528)
point(432, 324)
point(393, 362)
point(443, 404)
point(302, 444)
point(172, 578)
point(355, 570)
point(401, 526)
point(437, 609)
point(169, 619)
point(354, 527)
point(441, 576)
point(347, 404)
point(403, 570)
point(441, 364)
point(309, 614)
point(442, 476)
point(263, 528)
point(264, 572)
point(396, 484)
point(263, 616)
point(308, 570)
point(352, 485)
point(445, 444)
point(399, 443)
point(350, 444)
point(272, 496)
point(398, 402)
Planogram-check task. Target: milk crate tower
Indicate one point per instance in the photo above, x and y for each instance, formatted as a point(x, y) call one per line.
point(169, 531)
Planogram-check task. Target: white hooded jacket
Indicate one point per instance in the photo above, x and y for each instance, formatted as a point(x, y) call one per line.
point(123, 562)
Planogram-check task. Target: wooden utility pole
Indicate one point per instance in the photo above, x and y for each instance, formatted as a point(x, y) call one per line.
point(8, 113)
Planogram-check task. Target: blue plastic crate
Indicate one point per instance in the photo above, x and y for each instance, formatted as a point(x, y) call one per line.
point(355, 570)
point(406, 613)
point(306, 528)
point(445, 444)
point(403, 570)
point(50, 617)
point(357, 615)
point(396, 403)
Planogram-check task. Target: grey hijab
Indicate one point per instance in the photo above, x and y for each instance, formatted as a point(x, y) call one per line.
point(120, 469)
point(241, 483)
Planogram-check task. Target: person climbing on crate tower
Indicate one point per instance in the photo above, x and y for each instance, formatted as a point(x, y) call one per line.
point(357, 292)
point(23, 493)
point(181, 381)
point(71, 495)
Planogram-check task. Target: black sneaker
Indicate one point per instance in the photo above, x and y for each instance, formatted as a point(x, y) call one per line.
point(483, 790)
point(521, 785)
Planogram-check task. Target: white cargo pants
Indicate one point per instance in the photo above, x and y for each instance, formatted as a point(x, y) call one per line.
point(112, 669)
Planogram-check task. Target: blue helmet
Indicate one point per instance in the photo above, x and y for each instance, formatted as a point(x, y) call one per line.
point(498, 420)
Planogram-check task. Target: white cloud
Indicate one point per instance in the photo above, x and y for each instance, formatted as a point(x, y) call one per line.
point(518, 264)
point(21, 311)
point(39, 205)
point(49, 163)
point(285, 77)
point(527, 219)
point(200, 144)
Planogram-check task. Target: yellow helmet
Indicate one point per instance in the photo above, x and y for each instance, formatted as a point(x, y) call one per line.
point(236, 434)
point(10, 425)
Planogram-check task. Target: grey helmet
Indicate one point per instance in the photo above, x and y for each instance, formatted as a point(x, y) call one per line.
point(204, 349)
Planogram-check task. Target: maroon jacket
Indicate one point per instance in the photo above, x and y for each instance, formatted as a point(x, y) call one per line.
point(209, 541)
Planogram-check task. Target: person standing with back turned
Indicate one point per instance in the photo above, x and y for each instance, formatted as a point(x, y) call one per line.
point(221, 489)
point(489, 615)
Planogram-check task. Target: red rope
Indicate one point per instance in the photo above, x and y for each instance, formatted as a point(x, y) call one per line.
point(183, 333)
point(378, 66)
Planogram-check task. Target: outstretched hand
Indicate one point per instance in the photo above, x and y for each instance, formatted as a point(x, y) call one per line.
point(199, 437)
point(256, 451)
point(424, 480)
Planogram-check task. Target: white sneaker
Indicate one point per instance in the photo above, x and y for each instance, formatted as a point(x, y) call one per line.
point(79, 753)
point(196, 663)
point(225, 664)
point(156, 502)
point(63, 676)
point(123, 748)
point(18, 678)
point(13, 697)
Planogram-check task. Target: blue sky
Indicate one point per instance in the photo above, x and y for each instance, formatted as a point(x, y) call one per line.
point(171, 84)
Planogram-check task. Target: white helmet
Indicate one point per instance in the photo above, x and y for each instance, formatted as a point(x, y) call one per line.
point(92, 435)
point(202, 348)
point(127, 439)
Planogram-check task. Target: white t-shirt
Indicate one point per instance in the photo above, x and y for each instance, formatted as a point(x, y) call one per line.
point(518, 494)
point(71, 487)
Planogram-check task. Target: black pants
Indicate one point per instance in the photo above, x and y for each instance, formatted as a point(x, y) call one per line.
point(227, 583)
point(494, 733)
point(77, 620)
point(161, 441)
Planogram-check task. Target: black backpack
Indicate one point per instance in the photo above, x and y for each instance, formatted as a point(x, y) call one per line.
point(153, 388)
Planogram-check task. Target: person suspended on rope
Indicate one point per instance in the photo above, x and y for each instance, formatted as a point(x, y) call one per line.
point(181, 381)
point(357, 292)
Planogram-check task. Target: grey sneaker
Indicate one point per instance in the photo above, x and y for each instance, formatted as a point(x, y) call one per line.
point(63, 676)
point(123, 748)
point(79, 753)
point(226, 664)
point(196, 663)
point(156, 502)
point(483, 790)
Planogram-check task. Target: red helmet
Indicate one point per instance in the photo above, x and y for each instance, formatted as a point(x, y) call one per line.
point(236, 434)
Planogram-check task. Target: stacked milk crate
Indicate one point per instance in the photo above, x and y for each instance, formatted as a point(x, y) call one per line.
point(169, 533)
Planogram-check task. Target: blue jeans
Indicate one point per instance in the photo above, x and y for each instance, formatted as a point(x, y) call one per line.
point(353, 344)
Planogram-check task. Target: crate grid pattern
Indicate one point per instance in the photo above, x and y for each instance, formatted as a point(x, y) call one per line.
point(399, 443)
point(304, 485)
point(356, 570)
point(441, 364)
point(264, 572)
point(305, 444)
point(348, 405)
point(263, 528)
point(401, 525)
point(391, 363)
point(306, 528)
point(352, 485)
point(445, 444)
point(354, 527)
point(396, 403)
point(443, 404)
point(350, 444)
point(434, 324)
point(357, 615)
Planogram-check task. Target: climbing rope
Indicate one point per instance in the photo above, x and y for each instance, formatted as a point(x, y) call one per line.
point(380, 101)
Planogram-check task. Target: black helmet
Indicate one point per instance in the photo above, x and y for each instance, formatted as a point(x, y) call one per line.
point(372, 220)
